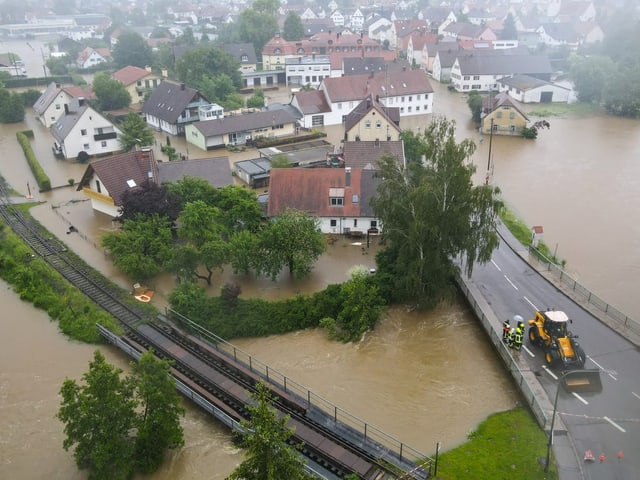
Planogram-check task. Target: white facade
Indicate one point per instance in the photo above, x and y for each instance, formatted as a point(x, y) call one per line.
point(55, 109)
point(542, 94)
point(307, 70)
point(93, 134)
point(356, 22)
point(466, 83)
point(341, 225)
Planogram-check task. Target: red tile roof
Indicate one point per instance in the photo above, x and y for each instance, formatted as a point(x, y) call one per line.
point(307, 189)
point(130, 74)
point(357, 87)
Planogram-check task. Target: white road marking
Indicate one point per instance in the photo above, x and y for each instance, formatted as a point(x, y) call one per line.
point(511, 282)
point(635, 395)
point(612, 376)
point(549, 372)
point(596, 363)
point(496, 265)
point(579, 398)
point(524, 347)
point(615, 424)
point(530, 303)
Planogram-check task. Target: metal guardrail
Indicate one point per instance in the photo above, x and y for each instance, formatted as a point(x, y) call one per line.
point(392, 448)
point(526, 388)
point(583, 292)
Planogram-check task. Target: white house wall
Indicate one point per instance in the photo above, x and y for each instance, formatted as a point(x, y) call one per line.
point(409, 105)
point(346, 224)
point(75, 142)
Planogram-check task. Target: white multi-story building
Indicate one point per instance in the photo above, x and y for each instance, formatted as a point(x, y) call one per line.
point(307, 70)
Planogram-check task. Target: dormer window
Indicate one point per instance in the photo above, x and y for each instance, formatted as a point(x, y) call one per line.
point(336, 197)
point(277, 51)
point(244, 58)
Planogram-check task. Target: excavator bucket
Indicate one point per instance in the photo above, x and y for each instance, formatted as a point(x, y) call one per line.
point(582, 381)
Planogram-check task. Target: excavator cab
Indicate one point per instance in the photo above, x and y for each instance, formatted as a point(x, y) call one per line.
point(549, 331)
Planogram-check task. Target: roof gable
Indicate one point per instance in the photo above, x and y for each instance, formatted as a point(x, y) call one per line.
point(168, 101)
point(391, 115)
point(358, 87)
point(130, 74)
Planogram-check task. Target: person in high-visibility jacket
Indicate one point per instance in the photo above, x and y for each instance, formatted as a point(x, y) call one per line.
point(506, 330)
point(517, 337)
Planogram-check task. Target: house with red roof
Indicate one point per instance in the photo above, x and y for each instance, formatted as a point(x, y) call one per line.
point(50, 106)
point(138, 81)
point(338, 197)
point(90, 57)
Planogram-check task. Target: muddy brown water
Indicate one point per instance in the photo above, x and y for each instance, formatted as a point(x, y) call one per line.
point(422, 377)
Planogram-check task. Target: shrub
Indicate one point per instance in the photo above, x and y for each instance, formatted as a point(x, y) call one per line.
point(41, 177)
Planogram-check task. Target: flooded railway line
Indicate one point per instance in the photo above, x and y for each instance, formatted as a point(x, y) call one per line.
point(211, 373)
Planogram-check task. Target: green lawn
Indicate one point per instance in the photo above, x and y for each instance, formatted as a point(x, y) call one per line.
point(564, 110)
point(506, 446)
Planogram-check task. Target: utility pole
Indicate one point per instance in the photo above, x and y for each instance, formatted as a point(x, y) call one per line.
point(489, 159)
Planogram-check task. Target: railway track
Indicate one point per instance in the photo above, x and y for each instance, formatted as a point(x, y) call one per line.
point(207, 370)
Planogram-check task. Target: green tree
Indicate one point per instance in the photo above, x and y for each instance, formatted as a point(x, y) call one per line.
point(256, 100)
point(243, 246)
point(360, 307)
point(433, 214)
point(621, 94)
point(190, 189)
point(509, 31)
point(197, 65)
point(99, 417)
point(291, 240)
point(58, 65)
point(142, 248)
point(257, 26)
point(269, 455)
point(11, 107)
point(239, 209)
point(110, 93)
point(293, 29)
point(414, 147)
point(158, 423)
point(132, 49)
point(200, 225)
point(280, 161)
point(135, 132)
point(590, 74)
point(474, 100)
point(186, 38)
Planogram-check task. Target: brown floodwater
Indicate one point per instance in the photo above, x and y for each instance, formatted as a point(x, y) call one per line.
point(419, 376)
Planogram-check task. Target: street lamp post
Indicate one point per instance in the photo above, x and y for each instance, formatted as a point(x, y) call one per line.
point(489, 159)
point(590, 381)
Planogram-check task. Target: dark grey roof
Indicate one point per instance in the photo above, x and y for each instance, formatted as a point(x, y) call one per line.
point(66, 122)
point(254, 166)
point(168, 101)
point(465, 29)
point(368, 188)
point(363, 65)
point(243, 123)
point(500, 64)
point(215, 170)
point(290, 109)
point(563, 32)
point(237, 50)
point(447, 57)
point(366, 154)
point(46, 98)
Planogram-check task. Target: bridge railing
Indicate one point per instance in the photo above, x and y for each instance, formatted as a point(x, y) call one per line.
point(386, 446)
point(583, 292)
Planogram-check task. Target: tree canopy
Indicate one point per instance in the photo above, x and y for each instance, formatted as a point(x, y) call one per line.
point(11, 107)
point(268, 455)
point(149, 198)
point(432, 214)
point(201, 63)
point(132, 49)
point(135, 132)
point(110, 93)
point(293, 29)
point(257, 25)
point(291, 240)
point(116, 425)
point(143, 246)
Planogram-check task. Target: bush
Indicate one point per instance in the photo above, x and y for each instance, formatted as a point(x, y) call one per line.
point(41, 177)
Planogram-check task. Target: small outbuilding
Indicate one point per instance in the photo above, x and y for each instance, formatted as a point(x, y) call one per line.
point(526, 89)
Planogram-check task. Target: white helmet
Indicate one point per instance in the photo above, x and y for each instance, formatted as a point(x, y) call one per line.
point(517, 318)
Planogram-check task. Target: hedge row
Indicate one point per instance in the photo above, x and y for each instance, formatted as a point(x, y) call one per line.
point(36, 81)
point(38, 283)
point(41, 177)
point(256, 317)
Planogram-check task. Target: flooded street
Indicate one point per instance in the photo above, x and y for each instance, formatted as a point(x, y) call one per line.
point(421, 377)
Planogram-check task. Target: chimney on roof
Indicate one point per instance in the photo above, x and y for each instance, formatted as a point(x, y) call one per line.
point(66, 109)
point(347, 176)
point(182, 86)
point(80, 101)
point(57, 85)
point(148, 68)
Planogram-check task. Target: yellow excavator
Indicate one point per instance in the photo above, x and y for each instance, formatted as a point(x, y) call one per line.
point(549, 331)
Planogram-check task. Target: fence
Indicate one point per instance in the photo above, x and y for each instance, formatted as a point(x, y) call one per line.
point(526, 381)
point(386, 446)
point(566, 281)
